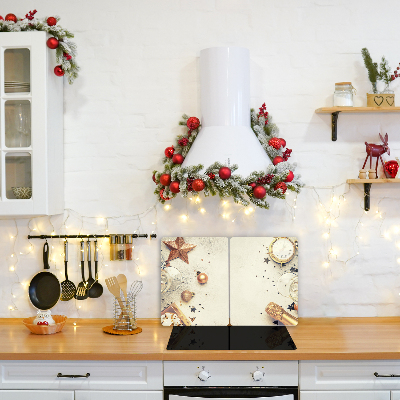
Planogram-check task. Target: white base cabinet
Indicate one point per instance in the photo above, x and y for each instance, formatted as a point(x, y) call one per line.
point(117, 395)
point(345, 395)
point(35, 395)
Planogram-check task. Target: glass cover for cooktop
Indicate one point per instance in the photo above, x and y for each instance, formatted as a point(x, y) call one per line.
point(230, 338)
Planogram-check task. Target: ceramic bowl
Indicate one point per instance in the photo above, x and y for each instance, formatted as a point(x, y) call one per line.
point(46, 329)
point(22, 192)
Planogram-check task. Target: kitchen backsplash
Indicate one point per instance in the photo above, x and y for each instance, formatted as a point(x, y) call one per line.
point(139, 74)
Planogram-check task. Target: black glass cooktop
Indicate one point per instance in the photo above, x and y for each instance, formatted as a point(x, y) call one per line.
point(230, 338)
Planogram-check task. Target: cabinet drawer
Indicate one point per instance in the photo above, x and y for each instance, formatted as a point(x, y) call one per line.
point(345, 395)
point(117, 395)
point(126, 375)
point(349, 375)
point(35, 395)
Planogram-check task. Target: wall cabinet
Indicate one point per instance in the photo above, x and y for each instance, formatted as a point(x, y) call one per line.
point(31, 127)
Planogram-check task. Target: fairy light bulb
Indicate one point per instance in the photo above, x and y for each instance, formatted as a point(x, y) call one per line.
point(184, 217)
point(167, 207)
point(11, 237)
point(325, 235)
point(326, 264)
point(12, 268)
point(202, 210)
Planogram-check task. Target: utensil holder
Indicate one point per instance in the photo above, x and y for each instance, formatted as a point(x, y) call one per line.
point(125, 314)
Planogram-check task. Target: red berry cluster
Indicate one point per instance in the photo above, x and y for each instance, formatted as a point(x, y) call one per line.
point(286, 154)
point(265, 179)
point(263, 113)
point(183, 142)
point(31, 15)
point(396, 73)
point(67, 56)
point(211, 176)
point(189, 182)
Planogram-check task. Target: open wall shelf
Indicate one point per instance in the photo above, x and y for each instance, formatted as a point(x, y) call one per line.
point(367, 187)
point(336, 110)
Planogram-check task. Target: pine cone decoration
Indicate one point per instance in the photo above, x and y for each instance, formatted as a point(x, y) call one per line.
point(211, 176)
point(183, 142)
point(282, 186)
point(189, 182)
point(276, 143)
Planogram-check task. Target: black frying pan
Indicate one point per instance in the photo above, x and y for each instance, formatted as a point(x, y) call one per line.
point(44, 289)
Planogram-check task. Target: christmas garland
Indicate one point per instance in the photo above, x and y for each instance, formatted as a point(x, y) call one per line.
point(65, 48)
point(218, 178)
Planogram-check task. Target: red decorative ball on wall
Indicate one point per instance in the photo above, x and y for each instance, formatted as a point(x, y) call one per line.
point(1, 18)
point(253, 184)
point(169, 151)
point(290, 177)
point(177, 159)
point(59, 71)
point(165, 179)
point(193, 123)
point(225, 173)
point(11, 17)
point(277, 160)
point(198, 185)
point(283, 142)
point(174, 187)
point(275, 143)
point(259, 192)
point(162, 195)
point(52, 43)
point(282, 186)
point(51, 21)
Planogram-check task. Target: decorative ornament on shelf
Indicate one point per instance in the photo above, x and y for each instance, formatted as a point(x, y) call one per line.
point(376, 150)
point(391, 168)
point(60, 40)
point(220, 179)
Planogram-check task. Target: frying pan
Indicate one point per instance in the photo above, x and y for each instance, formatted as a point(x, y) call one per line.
point(44, 289)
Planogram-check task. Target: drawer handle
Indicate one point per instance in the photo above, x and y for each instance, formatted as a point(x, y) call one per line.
point(60, 375)
point(386, 376)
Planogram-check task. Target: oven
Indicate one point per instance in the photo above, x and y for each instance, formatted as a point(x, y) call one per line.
point(238, 380)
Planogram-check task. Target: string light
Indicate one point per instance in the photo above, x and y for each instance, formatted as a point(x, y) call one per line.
point(167, 207)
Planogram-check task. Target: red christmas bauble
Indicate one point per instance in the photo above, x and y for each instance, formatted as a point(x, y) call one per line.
point(59, 71)
point(225, 173)
point(52, 43)
point(259, 192)
point(51, 21)
point(1, 18)
point(275, 143)
point(283, 142)
point(11, 17)
point(277, 160)
point(282, 186)
point(177, 158)
point(391, 168)
point(174, 187)
point(290, 177)
point(165, 179)
point(154, 179)
point(253, 184)
point(193, 123)
point(162, 196)
point(198, 185)
point(169, 151)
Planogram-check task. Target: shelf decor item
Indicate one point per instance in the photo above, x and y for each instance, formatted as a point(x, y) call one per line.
point(385, 98)
point(59, 40)
point(343, 95)
point(231, 149)
point(391, 168)
point(376, 150)
point(59, 320)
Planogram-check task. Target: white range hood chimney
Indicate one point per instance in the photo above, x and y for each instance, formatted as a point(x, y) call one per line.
point(226, 135)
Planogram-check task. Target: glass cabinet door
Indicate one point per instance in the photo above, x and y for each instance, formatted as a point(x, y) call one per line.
point(16, 125)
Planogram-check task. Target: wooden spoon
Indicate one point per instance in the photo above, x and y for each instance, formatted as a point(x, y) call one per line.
point(123, 284)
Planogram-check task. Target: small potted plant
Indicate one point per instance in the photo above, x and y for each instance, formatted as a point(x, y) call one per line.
point(386, 97)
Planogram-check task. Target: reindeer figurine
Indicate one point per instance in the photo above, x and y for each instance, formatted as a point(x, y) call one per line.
point(376, 150)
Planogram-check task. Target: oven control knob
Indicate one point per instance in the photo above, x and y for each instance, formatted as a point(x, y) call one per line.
point(204, 375)
point(257, 375)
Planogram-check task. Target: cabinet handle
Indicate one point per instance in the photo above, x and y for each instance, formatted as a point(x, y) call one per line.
point(60, 375)
point(386, 376)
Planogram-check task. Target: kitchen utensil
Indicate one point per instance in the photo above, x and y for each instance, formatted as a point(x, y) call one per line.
point(135, 288)
point(45, 329)
point(68, 289)
point(81, 290)
point(90, 280)
point(123, 284)
point(97, 289)
point(115, 290)
point(44, 289)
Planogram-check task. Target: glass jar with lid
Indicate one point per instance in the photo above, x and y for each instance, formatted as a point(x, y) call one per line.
point(343, 96)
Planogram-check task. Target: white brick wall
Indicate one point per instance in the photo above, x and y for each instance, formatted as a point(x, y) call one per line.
point(139, 74)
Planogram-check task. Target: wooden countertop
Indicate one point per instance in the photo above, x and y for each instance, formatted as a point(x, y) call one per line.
point(315, 338)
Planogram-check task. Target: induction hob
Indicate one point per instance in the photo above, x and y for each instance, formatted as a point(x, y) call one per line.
point(230, 338)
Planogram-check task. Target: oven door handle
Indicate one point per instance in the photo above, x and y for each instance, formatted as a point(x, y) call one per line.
point(386, 376)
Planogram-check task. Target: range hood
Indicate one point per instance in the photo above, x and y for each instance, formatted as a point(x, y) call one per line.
point(226, 135)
